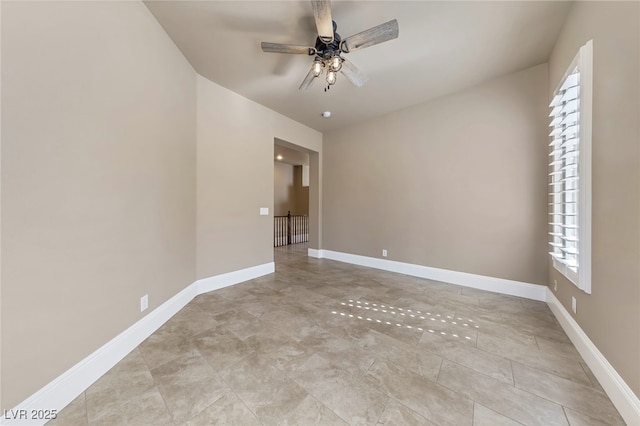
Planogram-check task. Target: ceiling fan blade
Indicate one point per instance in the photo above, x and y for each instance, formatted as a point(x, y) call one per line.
point(370, 37)
point(287, 48)
point(353, 74)
point(324, 22)
point(308, 81)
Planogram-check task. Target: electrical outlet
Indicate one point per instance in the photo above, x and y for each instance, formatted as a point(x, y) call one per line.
point(555, 285)
point(144, 303)
point(384, 253)
point(574, 305)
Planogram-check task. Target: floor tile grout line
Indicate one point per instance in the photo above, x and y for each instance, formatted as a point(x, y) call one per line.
point(86, 407)
point(516, 387)
point(146, 363)
point(590, 378)
point(511, 361)
point(473, 413)
point(397, 401)
point(550, 400)
point(126, 401)
point(535, 338)
point(439, 369)
point(564, 411)
point(160, 387)
point(510, 418)
point(513, 374)
point(384, 409)
point(241, 400)
point(476, 402)
point(590, 387)
point(321, 403)
point(568, 359)
point(309, 393)
point(201, 411)
point(469, 368)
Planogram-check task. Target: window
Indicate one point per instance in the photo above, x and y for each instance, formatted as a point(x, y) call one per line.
point(570, 171)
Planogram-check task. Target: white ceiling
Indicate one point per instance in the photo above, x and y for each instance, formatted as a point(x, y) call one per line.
point(443, 47)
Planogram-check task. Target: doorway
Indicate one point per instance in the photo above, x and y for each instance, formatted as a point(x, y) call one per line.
point(296, 204)
point(290, 196)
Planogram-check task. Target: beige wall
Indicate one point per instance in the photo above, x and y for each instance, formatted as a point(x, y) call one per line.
point(610, 316)
point(288, 193)
point(98, 180)
point(235, 177)
point(301, 193)
point(458, 183)
point(284, 198)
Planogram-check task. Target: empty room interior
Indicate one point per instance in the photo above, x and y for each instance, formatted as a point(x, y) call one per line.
point(315, 212)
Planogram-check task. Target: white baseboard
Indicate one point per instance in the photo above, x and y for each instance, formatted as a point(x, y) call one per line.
point(497, 285)
point(616, 388)
point(65, 388)
point(216, 282)
point(314, 253)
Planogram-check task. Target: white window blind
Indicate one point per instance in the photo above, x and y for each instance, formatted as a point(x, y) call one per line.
point(570, 172)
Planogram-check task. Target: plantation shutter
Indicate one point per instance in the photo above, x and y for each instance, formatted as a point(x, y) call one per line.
point(563, 175)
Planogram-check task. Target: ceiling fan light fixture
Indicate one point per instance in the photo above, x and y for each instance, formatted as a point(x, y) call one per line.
point(336, 63)
point(317, 68)
point(331, 77)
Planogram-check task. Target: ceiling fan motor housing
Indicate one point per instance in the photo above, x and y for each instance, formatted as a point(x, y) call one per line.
point(328, 50)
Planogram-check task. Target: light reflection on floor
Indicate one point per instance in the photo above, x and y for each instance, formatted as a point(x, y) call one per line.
point(404, 312)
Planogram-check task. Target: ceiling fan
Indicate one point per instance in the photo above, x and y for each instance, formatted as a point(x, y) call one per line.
point(329, 47)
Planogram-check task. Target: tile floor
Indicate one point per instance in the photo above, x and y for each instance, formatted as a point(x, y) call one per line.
point(322, 342)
